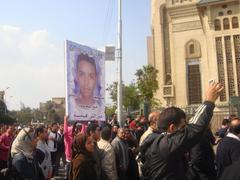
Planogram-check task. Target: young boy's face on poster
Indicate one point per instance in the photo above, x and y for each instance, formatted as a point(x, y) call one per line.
point(87, 79)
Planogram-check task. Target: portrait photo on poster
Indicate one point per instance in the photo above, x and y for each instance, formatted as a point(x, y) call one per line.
point(85, 83)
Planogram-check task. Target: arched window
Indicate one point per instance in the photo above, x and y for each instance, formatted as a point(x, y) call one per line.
point(229, 12)
point(220, 13)
point(194, 82)
point(226, 24)
point(191, 49)
point(235, 22)
point(217, 24)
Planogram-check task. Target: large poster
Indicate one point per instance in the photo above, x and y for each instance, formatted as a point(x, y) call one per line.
point(85, 83)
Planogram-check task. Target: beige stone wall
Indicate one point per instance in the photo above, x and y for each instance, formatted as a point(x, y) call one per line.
point(187, 22)
point(150, 51)
point(158, 48)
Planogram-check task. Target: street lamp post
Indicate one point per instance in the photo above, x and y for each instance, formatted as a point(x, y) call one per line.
point(119, 58)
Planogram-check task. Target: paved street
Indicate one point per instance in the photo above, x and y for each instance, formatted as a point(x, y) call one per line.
point(61, 175)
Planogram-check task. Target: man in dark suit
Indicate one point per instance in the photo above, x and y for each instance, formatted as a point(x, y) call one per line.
point(228, 150)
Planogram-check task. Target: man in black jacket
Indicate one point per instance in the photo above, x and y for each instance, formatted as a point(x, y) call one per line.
point(231, 172)
point(203, 157)
point(228, 150)
point(164, 157)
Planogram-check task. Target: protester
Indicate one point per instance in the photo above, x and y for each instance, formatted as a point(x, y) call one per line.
point(114, 131)
point(165, 152)
point(224, 128)
point(69, 133)
point(43, 154)
point(121, 152)
point(128, 120)
point(132, 172)
point(82, 165)
point(153, 118)
point(60, 147)
point(228, 150)
point(130, 139)
point(22, 153)
point(93, 130)
point(203, 158)
point(108, 159)
point(231, 172)
point(52, 145)
point(143, 124)
point(5, 144)
point(113, 121)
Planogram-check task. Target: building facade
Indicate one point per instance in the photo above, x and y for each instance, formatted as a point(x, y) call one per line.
point(194, 41)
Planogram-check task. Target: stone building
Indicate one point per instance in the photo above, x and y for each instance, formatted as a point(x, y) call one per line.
point(194, 41)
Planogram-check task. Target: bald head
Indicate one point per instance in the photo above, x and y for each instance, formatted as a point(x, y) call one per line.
point(153, 118)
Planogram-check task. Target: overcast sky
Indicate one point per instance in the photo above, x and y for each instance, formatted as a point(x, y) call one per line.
point(32, 35)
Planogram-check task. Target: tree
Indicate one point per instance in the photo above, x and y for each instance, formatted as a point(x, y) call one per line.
point(25, 115)
point(53, 116)
point(147, 83)
point(112, 89)
point(131, 100)
point(130, 95)
point(3, 107)
point(109, 111)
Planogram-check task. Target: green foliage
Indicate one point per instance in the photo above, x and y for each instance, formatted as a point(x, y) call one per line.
point(49, 115)
point(6, 119)
point(130, 95)
point(112, 89)
point(110, 110)
point(25, 115)
point(131, 100)
point(147, 83)
point(3, 108)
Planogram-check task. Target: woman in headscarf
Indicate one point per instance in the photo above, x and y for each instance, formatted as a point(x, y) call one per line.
point(69, 133)
point(22, 155)
point(82, 165)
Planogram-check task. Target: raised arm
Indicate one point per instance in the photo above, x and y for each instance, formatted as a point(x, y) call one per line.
point(187, 137)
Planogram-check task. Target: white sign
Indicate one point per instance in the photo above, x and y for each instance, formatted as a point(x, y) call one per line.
point(85, 83)
point(110, 53)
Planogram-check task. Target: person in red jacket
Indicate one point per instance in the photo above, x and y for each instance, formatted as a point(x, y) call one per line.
point(5, 144)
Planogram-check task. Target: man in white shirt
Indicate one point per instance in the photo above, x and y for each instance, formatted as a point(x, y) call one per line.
point(52, 145)
point(108, 159)
point(152, 118)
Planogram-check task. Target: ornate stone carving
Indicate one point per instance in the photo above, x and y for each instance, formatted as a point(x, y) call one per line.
point(193, 49)
point(187, 26)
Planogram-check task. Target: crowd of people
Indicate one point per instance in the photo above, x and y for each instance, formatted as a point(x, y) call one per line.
point(164, 146)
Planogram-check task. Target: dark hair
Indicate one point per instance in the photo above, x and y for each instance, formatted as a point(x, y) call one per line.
point(39, 130)
point(76, 128)
point(116, 125)
point(91, 60)
point(225, 122)
point(85, 57)
point(106, 133)
point(234, 128)
point(171, 115)
point(91, 127)
point(78, 145)
point(54, 123)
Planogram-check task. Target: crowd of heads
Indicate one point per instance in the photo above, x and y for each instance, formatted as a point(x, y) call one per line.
point(170, 120)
